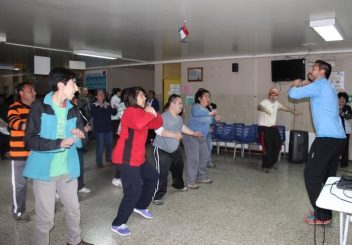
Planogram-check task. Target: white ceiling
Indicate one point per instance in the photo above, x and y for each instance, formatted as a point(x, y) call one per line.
point(146, 30)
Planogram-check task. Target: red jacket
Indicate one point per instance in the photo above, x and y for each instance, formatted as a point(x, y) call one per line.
point(130, 147)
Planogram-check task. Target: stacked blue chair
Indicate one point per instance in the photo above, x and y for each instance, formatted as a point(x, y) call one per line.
point(249, 137)
point(238, 128)
point(224, 133)
point(282, 132)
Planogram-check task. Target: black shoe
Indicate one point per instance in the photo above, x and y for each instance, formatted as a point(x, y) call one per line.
point(344, 165)
point(22, 217)
point(82, 243)
point(158, 202)
point(100, 166)
point(266, 170)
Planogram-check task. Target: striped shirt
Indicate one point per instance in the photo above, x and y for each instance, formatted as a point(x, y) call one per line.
point(17, 116)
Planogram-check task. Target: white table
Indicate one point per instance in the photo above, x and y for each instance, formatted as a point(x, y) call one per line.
point(328, 201)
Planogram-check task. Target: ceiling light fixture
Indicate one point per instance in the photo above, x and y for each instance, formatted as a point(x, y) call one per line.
point(327, 28)
point(109, 56)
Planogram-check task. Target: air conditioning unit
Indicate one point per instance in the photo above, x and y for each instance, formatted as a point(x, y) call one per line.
point(2, 38)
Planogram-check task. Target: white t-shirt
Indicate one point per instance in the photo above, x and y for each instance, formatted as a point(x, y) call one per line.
point(266, 120)
point(115, 101)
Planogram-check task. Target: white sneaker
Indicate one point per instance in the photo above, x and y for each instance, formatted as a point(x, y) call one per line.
point(57, 196)
point(117, 182)
point(84, 190)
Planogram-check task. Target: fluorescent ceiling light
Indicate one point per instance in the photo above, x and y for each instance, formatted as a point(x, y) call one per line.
point(8, 67)
point(109, 56)
point(327, 29)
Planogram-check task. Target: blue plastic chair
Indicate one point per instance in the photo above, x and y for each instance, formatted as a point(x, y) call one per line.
point(224, 133)
point(249, 137)
point(282, 132)
point(238, 128)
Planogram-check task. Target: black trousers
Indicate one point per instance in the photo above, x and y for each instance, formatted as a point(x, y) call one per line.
point(271, 143)
point(80, 152)
point(344, 154)
point(138, 185)
point(164, 162)
point(321, 164)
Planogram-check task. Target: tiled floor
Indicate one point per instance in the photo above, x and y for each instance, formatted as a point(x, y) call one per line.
point(242, 206)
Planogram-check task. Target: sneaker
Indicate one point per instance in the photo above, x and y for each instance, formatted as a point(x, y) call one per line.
point(211, 165)
point(266, 170)
point(144, 212)
point(117, 182)
point(205, 181)
point(57, 196)
point(84, 190)
point(184, 189)
point(193, 186)
point(310, 219)
point(122, 230)
point(158, 202)
point(22, 217)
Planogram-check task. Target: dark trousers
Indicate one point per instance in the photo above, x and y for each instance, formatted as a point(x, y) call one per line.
point(103, 139)
point(271, 143)
point(19, 186)
point(164, 162)
point(80, 179)
point(115, 125)
point(322, 163)
point(4, 143)
point(138, 187)
point(344, 154)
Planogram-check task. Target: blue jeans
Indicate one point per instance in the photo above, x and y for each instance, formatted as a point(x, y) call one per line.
point(103, 138)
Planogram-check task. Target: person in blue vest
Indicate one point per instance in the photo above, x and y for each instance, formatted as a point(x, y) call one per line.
point(54, 131)
point(330, 136)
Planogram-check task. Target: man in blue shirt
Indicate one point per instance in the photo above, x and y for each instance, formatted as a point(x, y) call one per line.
point(330, 137)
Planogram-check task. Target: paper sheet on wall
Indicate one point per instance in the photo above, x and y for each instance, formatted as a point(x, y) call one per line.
point(189, 100)
point(337, 79)
point(187, 89)
point(175, 89)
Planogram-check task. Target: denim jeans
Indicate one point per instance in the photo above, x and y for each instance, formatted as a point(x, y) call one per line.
point(103, 138)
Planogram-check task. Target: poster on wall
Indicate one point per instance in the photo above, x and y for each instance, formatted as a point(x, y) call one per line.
point(175, 89)
point(96, 79)
point(337, 79)
point(189, 100)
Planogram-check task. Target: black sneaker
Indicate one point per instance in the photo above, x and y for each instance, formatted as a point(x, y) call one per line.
point(22, 217)
point(83, 243)
point(158, 202)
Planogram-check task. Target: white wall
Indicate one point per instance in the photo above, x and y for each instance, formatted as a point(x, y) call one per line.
point(128, 77)
point(237, 94)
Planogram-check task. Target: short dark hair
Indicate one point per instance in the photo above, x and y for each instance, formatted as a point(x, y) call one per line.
point(171, 99)
point(131, 96)
point(323, 65)
point(124, 94)
point(20, 87)
point(152, 92)
point(200, 94)
point(60, 74)
point(99, 90)
point(343, 94)
point(115, 91)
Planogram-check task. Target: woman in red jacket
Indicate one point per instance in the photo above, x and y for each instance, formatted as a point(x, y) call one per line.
point(139, 178)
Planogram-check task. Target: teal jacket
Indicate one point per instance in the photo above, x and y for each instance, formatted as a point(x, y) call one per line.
point(40, 139)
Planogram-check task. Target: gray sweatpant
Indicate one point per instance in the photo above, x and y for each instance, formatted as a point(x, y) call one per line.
point(19, 186)
point(197, 157)
point(44, 194)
